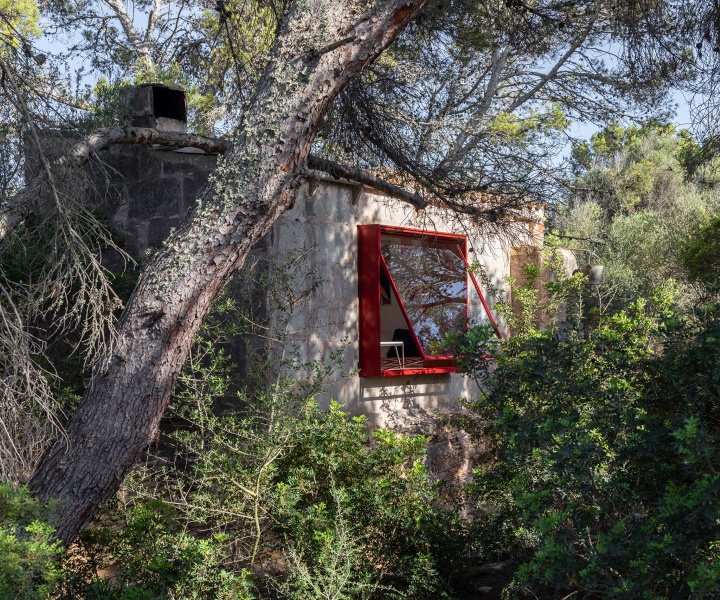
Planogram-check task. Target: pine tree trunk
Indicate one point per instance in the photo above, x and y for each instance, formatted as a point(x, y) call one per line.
point(323, 46)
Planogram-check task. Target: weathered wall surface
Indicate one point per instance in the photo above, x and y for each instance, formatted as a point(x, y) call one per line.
point(325, 224)
point(148, 192)
point(154, 189)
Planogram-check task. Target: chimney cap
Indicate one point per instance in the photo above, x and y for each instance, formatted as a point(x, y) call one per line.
point(159, 106)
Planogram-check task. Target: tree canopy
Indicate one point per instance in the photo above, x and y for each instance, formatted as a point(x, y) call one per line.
point(450, 97)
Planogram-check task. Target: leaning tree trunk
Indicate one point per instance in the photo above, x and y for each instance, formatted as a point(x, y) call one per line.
point(324, 44)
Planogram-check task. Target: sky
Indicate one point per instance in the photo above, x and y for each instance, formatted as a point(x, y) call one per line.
point(578, 129)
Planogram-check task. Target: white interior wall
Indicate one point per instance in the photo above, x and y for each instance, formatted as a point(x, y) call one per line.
point(391, 318)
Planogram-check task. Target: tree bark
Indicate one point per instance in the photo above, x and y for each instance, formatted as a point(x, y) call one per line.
point(254, 183)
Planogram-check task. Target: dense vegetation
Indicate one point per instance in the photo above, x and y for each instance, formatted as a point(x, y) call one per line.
point(605, 476)
point(639, 199)
point(604, 479)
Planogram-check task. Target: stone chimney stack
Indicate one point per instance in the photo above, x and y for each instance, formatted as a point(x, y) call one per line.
point(159, 106)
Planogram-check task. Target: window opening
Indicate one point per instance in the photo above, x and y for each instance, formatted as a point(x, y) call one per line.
point(415, 288)
point(169, 103)
point(405, 350)
point(431, 281)
point(481, 314)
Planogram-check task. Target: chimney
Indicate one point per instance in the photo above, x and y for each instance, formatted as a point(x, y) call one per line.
point(159, 106)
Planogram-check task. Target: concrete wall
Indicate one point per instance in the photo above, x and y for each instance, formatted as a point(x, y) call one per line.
point(147, 192)
point(152, 190)
point(324, 222)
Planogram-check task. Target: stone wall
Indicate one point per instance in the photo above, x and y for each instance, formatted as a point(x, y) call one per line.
point(151, 190)
point(324, 222)
point(148, 192)
point(524, 255)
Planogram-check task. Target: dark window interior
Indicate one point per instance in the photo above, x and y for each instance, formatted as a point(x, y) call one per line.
point(404, 335)
point(169, 103)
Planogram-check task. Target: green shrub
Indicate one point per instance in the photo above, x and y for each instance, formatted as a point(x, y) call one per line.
point(338, 486)
point(154, 557)
point(28, 553)
point(350, 515)
point(701, 256)
point(607, 481)
point(636, 204)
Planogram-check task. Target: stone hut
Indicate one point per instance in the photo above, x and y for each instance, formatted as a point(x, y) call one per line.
point(391, 281)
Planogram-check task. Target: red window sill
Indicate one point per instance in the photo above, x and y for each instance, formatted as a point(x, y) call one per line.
point(435, 369)
point(435, 366)
point(423, 371)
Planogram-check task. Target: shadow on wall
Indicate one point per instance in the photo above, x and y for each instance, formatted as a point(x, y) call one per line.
point(410, 404)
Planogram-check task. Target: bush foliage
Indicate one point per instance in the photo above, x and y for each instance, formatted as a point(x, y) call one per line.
point(28, 554)
point(606, 482)
point(342, 515)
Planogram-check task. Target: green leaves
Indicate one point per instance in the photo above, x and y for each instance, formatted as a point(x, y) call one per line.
point(340, 488)
point(607, 474)
point(701, 256)
point(150, 554)
point(645, 213)
point(28, 553)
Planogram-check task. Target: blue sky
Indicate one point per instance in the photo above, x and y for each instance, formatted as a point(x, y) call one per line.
point(578, 129)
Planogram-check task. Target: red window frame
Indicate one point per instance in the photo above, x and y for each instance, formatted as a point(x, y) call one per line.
point(371, 264)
